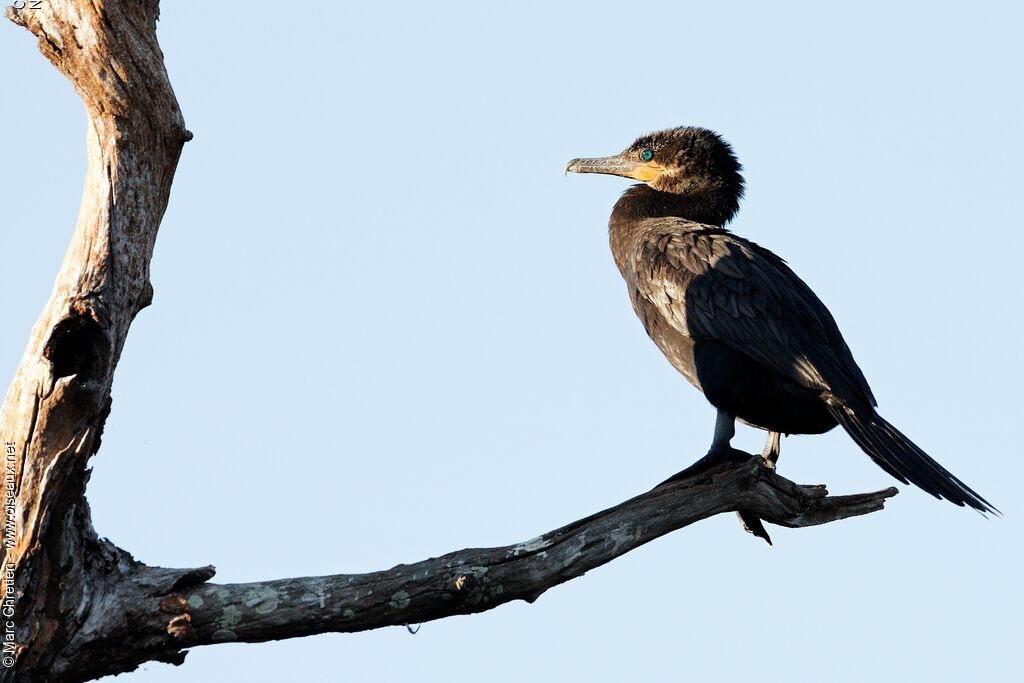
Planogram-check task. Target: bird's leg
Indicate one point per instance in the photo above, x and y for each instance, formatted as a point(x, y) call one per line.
point(721, 449)
point(770, 454)
point(771, 449)
point(725, 429)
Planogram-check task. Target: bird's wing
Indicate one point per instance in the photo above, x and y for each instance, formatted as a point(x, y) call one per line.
point(713, 285)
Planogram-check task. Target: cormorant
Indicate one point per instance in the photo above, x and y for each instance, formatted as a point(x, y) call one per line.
point(733, 318)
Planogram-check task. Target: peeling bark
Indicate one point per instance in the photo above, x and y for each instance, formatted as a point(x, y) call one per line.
point(84, 608)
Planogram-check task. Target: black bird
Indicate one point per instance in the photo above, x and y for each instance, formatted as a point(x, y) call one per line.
point(733, 318)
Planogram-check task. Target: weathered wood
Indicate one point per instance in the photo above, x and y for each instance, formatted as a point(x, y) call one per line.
point(156, 614)
point(84, 608)
point(55, 409)
point(476, 580)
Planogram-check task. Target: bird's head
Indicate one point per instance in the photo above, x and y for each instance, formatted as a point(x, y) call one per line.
point(688, 161)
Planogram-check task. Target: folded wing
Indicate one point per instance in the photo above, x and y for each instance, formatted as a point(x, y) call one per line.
point(711, 284)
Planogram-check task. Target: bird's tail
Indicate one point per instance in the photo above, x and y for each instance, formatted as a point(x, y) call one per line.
point(901, 457)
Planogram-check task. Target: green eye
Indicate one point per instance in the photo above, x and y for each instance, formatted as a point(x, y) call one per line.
point(647, 154)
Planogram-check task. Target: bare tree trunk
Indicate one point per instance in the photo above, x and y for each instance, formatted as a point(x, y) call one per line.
point(75, 606)
point(54, 411)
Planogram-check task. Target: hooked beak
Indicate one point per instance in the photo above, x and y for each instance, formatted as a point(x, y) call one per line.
point(620, 165)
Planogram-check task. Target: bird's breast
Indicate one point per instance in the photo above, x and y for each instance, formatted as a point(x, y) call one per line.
point(672, 340)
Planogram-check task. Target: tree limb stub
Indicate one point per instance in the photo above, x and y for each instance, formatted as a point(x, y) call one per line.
point(84, 608)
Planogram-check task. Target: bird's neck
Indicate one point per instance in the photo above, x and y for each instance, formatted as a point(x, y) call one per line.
point(642, 201)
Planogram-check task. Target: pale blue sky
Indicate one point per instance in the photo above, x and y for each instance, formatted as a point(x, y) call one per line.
point(386, 327)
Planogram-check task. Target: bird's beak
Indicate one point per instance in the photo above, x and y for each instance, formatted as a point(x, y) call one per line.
point(644, 171)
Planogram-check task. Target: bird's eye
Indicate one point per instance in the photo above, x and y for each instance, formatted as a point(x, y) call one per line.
point(647, 154)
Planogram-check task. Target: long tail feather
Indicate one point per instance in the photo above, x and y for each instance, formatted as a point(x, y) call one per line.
point(901, 457)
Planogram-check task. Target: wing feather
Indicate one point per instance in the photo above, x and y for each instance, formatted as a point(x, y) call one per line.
point(712, 285)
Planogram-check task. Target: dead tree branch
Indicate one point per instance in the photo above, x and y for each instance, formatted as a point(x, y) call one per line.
point(476, 580)
point(83, 608)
